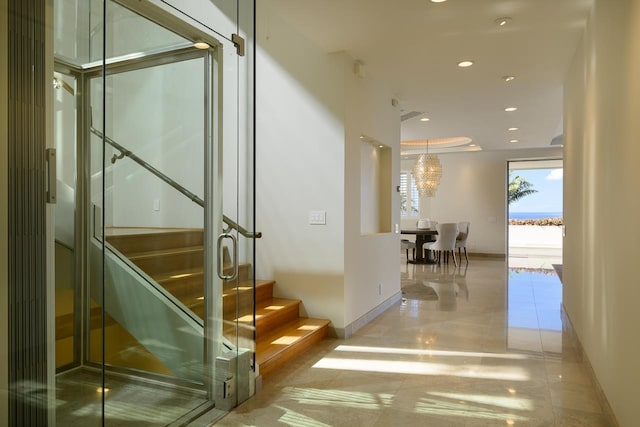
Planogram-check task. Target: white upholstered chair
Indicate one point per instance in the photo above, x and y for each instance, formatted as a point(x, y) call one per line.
point(407, 244)
point(446, 241)
point(461, 240)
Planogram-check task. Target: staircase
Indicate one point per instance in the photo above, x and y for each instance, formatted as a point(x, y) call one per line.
point(120, 347)
point(175, 260)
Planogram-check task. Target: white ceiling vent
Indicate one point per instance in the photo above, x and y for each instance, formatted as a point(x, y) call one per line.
point(410, 115)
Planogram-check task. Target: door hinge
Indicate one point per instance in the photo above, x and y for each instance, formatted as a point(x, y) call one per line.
point(51, 175)
point(239, 43)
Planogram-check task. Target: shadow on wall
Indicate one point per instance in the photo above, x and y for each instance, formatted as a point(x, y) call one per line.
point(322, 295)
point(275, 39)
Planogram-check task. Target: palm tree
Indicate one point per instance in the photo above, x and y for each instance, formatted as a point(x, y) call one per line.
point(519, 188)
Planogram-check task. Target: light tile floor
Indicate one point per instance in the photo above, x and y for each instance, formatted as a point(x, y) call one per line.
point(477, 346)
point(128, 402)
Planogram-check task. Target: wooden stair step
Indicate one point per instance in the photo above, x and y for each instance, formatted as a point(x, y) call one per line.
point(64, 322)
point(169, 279)
point(187, 250)
point(178, 275)
point(272, 313)
point(183, 283)
point(122, 349)
point(264, 289)
point(156, 240)
point(276, 348)
point(166, 278)
point(175, 259)
point(167, 260)
point(241, 294)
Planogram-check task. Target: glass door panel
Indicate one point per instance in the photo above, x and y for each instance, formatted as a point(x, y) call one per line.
point(163, 197)
point(148, 142)
point(67, 316)
point(153, 218)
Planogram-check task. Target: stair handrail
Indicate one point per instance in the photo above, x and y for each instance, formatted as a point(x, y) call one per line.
point(191, 196)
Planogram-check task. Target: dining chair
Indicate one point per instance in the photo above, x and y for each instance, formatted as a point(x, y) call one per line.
point(445, 242)
point(461, 240)
point(407, 244)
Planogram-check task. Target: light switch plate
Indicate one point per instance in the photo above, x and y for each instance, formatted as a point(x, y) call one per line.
point(317, 217)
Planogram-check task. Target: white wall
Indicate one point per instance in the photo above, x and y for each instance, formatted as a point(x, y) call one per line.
point(371, 260)
point(300, 167)
point(312, 110)
point(602, 107)
point(473, 188)
point(158, 114)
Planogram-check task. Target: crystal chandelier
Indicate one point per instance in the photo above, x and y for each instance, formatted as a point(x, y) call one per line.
point(427, 172)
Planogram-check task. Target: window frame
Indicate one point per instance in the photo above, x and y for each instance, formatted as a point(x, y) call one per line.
point(409, 192)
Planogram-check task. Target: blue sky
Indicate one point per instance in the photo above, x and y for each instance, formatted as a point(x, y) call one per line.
point(548, 182)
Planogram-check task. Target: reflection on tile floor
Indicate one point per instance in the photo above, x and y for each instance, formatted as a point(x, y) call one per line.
point(474, 346)
point(127, 402)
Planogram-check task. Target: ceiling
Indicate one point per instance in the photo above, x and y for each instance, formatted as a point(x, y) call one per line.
point(415, 46)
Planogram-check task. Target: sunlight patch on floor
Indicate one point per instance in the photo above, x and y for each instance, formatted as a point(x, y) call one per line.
point(462, 409)
point(293, 418)
point(423, 368)
point(131, 411)
point(339, 398)
point(418, 352)
point(445, 404)
point(508, 402)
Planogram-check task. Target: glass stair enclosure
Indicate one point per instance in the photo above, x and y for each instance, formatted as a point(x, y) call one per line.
point(154, 279)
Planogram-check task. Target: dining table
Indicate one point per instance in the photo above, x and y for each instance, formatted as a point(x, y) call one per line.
point(423, 235)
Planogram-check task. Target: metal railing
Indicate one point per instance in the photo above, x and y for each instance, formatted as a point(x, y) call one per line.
point(231, 224)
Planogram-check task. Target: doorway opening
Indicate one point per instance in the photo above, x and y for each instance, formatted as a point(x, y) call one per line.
point(534, 214)
point(534, 267)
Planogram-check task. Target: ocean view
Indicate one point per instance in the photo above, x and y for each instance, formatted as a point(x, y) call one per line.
point(534, 215)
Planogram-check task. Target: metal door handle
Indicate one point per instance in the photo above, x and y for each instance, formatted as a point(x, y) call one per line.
point(51, 175)
point(234, 246)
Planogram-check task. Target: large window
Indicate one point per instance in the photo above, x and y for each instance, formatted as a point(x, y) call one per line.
point(409, 200)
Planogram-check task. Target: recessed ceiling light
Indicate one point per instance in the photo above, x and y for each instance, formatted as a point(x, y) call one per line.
point(514, 140)
point(472, 145)
point(512, 129)
point(510, 109)
point(438, 1)
point(466, 63)
point(201, 45)
point(503, 21)
point(380, 146)
point(508, 78)
point(425, 119)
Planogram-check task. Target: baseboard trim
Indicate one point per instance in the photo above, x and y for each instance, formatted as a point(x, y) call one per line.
point(486, 255)
point(569, 331)
point(350, 329)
